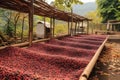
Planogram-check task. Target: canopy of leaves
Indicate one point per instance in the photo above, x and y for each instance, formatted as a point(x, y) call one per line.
point(109, 9)
point(65, 4)
point(94, 16)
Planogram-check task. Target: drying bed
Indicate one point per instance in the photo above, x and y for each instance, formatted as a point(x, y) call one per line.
point(57, 59)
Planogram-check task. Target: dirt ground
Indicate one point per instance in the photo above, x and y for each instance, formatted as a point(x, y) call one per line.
point(108, 64)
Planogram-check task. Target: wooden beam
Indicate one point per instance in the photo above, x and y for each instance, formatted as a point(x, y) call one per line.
point(40, 8)
point(85, 74)
point(31, 23)
point(25, 43)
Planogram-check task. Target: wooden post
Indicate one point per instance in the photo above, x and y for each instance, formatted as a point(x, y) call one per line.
point(87, 27)
point(75, 27)
point(31, 23)
point(114, 27)
point(82, 27)
point(53, 26)
point(71, 21)
point(92, 27)
point(44, 27)
point(79, 26)
point(68, 28)
point(108, 25)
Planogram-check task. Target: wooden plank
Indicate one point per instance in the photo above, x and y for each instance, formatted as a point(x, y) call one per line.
point(25, 43)
point(88, 69)
point(41, 8)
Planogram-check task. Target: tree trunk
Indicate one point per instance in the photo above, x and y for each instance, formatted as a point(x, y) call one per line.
point(15, 24)
point(22, 29)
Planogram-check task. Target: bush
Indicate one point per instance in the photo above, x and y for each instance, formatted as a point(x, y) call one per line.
point(61, 29)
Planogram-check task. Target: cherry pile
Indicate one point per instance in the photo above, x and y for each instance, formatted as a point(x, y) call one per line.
point(56, 59)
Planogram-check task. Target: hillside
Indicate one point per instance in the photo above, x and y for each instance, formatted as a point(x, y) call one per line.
point(85, 8)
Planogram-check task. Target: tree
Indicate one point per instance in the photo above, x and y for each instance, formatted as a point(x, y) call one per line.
point(65, 4)
point(6, 16)
point(11, 22)
point(16, 18)
point(109, 9)
point(96, 19)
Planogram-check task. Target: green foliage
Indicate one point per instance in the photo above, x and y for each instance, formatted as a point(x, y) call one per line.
point(40, 18)
point(61, 29)
point(8, 21)
point(96, 19)
point(109, 9)
point(9, 31)
point(7, 24)
point(65, 4)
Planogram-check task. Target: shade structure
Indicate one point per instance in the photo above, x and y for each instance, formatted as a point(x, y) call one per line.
point(41, 8)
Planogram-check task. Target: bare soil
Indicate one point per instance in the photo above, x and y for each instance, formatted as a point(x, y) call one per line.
point(108, 64)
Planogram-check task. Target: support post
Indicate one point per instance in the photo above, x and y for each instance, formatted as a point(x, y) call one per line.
point(114, 27)
point(75, 27)
point(68, 27)
point(82, 27)
point(31, 23)
point(44, 27)
point(92, 27)
point(71, 21)
point(53, 26)
point(79, 26)
point(87, 27)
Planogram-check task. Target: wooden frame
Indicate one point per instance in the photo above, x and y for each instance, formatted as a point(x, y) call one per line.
point(41, 8)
